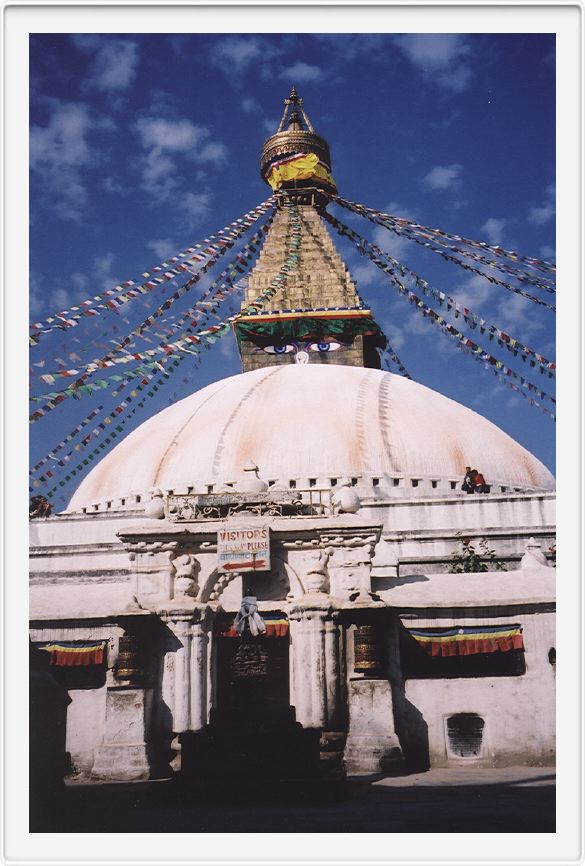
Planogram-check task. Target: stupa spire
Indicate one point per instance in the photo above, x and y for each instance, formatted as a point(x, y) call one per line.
point(315, 315)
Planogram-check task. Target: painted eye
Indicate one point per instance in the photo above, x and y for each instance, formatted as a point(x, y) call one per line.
point(324, 347)
point(280, 349)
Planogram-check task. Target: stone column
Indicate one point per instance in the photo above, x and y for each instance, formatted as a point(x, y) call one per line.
point(332, 674)
point(185, 675)
point(181, 709)
point(199, 670)
point(315, 650)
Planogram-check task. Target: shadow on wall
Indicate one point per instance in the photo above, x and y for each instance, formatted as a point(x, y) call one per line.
point(413, 733)
point(410, 726)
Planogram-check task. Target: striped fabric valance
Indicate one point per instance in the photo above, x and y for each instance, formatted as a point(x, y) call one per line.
point(74, 653)
point(276, 626)
point(468, 640)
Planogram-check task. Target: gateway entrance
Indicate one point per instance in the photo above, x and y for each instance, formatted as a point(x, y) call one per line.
point(253, 737)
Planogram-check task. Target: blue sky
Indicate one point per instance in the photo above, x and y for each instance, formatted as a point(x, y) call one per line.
point(143, 144)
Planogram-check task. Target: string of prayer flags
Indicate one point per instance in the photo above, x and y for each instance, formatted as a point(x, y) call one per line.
point(449, 258)
point(54, 401)
point(403, 227)
point(51, 455)
point(380, 259)
point(222, 240)
point(539, 264)
point(472, 319)
point(223, 283)
point(270, 291)
point(390, 355)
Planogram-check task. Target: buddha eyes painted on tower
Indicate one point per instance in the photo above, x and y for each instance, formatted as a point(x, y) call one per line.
point(298, 346)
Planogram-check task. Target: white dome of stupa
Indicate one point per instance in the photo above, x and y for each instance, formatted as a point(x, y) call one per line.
point(309, 421)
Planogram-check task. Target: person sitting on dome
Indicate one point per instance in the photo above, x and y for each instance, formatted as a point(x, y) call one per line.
point(39, 507)
point(468, 485)
point(479, 482)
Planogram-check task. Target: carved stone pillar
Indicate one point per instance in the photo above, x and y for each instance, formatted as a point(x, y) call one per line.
point(186, 674)
point(316, 667)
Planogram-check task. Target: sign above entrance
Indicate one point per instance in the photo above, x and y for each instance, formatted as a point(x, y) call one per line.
point(243, 549)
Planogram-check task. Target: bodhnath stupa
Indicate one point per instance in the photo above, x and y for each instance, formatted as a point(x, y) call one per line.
point(266, 566)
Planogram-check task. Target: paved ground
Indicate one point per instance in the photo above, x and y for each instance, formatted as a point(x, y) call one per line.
point(512, 799)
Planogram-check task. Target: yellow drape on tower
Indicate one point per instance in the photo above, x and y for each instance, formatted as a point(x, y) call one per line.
point(302, 167)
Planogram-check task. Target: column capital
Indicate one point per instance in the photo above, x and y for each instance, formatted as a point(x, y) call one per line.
point(182, 619)
point(310, 608)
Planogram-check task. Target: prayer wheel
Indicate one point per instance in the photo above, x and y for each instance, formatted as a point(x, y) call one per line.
point(130, 664)
point(367, 651)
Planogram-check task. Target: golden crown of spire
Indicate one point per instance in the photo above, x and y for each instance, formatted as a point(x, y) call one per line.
point(295, 135)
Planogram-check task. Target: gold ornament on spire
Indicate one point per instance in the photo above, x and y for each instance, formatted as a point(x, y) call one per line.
point(295, 156)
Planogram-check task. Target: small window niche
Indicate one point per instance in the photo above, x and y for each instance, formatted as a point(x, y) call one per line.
point(465, 735)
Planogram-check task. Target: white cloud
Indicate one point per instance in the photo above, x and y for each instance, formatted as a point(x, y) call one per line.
point(164, 142)
point(395, 335)
point(431, 50)
point(270, 125)
point(391, 243)
point(541, 215)
point(70, 290)
point(364, 275)
point(64, 139)
point(395, 209)
point(439, 57)
point(174, 135)
point(474, 292)
point(58, 153)
point(196, 206)
point(251, 106)
point(235, 54)
point(114, 64)
point(546, 211)
point(162, 247)
point(348, 46)
point(516, 316)
point(36, 301)
point(60, 299)
point(442, 176)
point(493, 230)
point(214, 152)
point(113, 186)
point(301, 73)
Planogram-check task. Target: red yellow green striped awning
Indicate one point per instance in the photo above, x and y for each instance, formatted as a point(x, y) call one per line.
point(74, 653)
point(468, 640)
